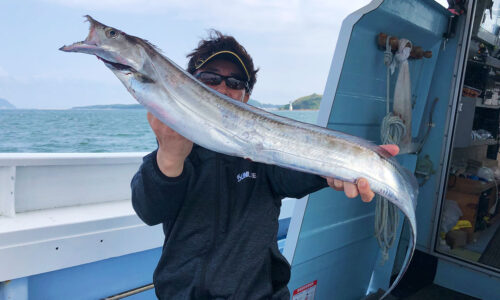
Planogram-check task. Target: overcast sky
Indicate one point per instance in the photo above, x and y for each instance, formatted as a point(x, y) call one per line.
point(291, 41)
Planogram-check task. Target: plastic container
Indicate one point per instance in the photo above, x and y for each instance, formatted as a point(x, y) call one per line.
point(471, 92)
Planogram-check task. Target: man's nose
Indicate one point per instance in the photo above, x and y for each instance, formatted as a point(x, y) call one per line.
point(223, 89)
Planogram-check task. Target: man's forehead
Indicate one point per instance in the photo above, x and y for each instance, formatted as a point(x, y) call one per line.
point(219, 65)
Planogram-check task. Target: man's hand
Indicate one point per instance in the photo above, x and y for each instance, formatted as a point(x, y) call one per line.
point(172, 150)
point(362, 187)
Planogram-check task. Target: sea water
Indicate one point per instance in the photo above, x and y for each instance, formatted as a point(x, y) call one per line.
point(96, 130)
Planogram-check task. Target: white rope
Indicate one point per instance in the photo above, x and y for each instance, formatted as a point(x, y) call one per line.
point(402, 104)
point(392, 130)
point(386, 223)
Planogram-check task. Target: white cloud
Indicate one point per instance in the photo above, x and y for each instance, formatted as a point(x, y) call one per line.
point(249, 15)
point(294, 23)
point(444, 3)
point(3, 72)
point(278, 33)
point(58, 77)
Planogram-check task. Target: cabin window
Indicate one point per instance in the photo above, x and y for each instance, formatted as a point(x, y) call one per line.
point(469, 227)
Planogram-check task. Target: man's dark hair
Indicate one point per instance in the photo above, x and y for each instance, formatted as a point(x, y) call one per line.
point(216, 42)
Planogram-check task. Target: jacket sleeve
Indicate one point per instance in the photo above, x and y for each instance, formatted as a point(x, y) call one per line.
point(157, 198)
point(294, 184)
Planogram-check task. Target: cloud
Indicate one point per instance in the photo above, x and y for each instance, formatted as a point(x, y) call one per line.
point(249, 15)
point(56, 77)
point(294, 35)
point(444, 3)
point(283, 26)
point(293, 24)
point(3, 72)
point(45, 91)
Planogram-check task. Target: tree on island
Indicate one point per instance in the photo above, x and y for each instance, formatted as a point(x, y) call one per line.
point(307, 102)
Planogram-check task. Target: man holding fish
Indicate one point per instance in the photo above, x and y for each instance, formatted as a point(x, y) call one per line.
point(219, 212)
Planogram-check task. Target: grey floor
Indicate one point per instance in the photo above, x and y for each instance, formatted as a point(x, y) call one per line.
point(436, 292)
point(483, 239)
point(430, 292)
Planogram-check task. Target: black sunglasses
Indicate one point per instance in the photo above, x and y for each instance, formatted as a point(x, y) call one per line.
point(215, 79)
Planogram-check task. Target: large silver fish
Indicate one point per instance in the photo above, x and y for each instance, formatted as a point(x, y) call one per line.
point(219, 123)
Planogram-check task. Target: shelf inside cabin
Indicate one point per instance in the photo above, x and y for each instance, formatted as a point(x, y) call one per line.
point(483, 142)
point(490, 61)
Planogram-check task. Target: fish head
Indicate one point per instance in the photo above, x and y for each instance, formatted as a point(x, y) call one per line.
point(120, 52)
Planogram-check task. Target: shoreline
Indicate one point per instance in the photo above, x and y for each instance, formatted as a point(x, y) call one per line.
point(117, 108)
point(294, 110)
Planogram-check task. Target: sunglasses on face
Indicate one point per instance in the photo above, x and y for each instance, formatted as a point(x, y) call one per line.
point(232, 82)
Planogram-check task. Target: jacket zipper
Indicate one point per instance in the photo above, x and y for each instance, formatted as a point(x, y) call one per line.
point(203, 289)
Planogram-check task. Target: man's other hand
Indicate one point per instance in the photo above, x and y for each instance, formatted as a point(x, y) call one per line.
point(361, 187)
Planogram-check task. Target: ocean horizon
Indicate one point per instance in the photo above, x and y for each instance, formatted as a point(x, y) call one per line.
point(88, 130)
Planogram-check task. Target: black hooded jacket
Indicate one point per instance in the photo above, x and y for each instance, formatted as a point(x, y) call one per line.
point(220, 219)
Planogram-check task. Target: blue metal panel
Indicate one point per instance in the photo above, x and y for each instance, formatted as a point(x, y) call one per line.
point(16, 289)
point(362, 84)
point(441, 83)
point(341, 274)
point(336, 244)
point(467, 281)
point(97, 280)
point(330, 236)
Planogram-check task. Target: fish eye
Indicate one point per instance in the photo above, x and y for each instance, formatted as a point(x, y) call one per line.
point(111, 33)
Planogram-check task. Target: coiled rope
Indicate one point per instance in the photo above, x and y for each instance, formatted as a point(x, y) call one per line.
point(391, 131)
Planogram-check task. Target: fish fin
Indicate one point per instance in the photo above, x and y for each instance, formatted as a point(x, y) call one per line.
point(143, 78)
point(143, 42)
point(153, 46)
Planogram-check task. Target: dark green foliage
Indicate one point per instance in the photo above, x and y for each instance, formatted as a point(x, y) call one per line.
point(307, 102)
point(263, 105)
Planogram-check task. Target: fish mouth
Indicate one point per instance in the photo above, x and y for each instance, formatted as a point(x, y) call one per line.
point(91, 45)
point(85, 47)
point(82, 46)
point(114, 65)
point(94, 46)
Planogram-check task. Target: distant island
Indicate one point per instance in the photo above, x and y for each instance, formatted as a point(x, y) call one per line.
point(111, 106)
point(310, 102)
point(4, 104)
point(263, 105)
point(138, 106)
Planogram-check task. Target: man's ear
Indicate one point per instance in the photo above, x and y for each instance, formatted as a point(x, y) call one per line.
point(247, 97)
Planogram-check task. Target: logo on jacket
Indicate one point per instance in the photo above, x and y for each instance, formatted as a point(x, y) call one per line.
point(244, 175)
